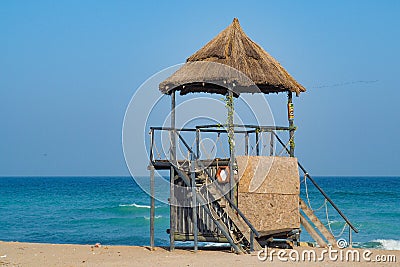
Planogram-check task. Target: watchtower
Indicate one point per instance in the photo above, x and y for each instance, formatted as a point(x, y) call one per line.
point(245, 200)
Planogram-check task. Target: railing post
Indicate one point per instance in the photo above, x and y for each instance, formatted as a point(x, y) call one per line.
point(257, 141)
point(251, 241)
point(271, 144)
point(194, 200)
point(246, 144)
point(151, 146)
point(350, 238)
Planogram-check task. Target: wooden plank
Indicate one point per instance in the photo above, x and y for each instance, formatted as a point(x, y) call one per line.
point(320, 226)
point(268, 212)
point(312, 232)
point(266, 174)
point(201, 238)
point(269, 189)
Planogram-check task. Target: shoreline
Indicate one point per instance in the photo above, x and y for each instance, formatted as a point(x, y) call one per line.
point(44, 254)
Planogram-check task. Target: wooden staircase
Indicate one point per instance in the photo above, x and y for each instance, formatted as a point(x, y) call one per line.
point(324, 237)
point(237, 220)
point(240, 235)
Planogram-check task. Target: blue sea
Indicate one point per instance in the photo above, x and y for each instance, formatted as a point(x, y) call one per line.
point(115, 210)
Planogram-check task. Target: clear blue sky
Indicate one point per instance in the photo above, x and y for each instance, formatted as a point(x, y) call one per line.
point(69, 68)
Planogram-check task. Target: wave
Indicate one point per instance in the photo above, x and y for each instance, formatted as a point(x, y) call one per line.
point(155, 217)
point(385, 194)
point(388, 244)
point(135, 205)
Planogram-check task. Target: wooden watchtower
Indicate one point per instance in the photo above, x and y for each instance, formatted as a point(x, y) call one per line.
point(245, 200)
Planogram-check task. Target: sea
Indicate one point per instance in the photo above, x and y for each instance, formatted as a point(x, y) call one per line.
point(115, 210)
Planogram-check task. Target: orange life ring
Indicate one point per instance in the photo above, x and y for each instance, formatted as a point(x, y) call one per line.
point(223, 174)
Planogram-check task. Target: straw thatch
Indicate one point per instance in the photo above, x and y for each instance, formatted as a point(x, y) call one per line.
point(240, 62)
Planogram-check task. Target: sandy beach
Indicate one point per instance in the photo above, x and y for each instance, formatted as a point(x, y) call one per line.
point(33, 254)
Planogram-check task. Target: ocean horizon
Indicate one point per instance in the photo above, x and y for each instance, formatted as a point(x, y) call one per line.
point(114, 210)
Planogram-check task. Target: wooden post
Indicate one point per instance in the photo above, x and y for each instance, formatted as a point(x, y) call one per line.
point(152, 206)
point(291, 124)
point(172, 201)
point(173, 133)
point(198, 143)
point(231, 138)
point(194, 201)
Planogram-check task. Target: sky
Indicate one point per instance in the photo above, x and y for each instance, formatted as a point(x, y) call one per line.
point(68, 70)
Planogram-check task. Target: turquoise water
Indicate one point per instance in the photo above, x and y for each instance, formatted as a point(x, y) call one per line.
point(115, 210)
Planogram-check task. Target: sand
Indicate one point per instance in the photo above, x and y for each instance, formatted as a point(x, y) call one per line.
point(32, 254)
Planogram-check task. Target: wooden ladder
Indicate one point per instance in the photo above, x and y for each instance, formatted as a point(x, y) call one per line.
point(318, 224)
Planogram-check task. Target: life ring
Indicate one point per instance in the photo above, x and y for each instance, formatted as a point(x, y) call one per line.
point(223, 174)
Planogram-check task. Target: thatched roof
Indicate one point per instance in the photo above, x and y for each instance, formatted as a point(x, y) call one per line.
point(233, 50)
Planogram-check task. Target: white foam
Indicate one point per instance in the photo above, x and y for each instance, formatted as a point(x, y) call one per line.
point(211, 244)
point(389, 244)
point(155, 217)
point(135, 205)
